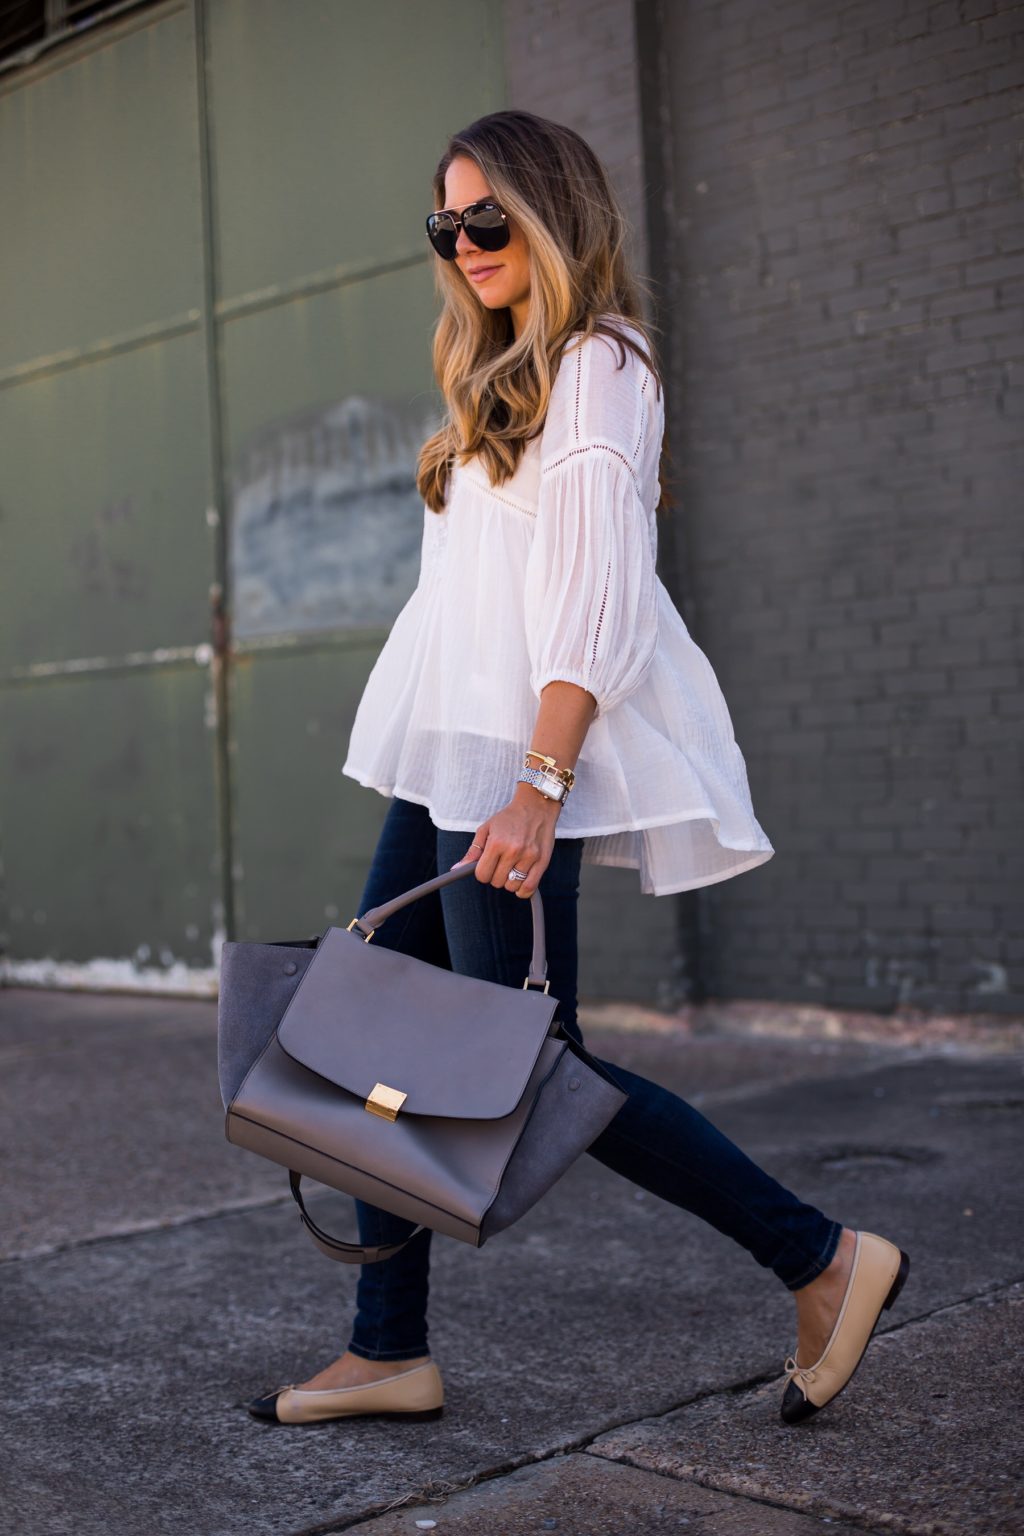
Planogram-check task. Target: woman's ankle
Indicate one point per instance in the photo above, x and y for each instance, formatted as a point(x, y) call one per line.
point(351, 1370)
point(384, 1367)
point(818, 1303)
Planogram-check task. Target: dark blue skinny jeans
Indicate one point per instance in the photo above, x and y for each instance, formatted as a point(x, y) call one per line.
point(656, 1140)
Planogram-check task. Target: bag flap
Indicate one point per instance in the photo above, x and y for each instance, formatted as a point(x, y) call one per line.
point(455, 1045)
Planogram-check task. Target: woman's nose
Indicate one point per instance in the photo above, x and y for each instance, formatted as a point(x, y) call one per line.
point(463, 243)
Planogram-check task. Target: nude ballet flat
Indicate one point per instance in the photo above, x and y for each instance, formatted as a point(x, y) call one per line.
point(877, 1275)
point(415, 1394)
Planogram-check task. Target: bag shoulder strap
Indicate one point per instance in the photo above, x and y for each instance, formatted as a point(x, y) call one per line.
point(334, 1247)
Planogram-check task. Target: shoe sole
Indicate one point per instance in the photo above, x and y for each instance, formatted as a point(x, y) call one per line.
point(894, 1291)
point(416, 1417)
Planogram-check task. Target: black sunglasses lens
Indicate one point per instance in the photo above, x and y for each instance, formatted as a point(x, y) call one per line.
point(486, 227)
point(442, 235)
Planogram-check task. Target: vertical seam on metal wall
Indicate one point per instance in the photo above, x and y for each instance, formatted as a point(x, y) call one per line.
point(220, 593)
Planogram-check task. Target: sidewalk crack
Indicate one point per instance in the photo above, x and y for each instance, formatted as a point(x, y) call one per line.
point(438, 1493)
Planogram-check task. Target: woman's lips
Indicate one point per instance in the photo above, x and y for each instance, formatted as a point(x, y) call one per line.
point(482, 274)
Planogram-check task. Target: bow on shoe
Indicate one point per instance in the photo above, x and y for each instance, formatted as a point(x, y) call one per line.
point(797, 1402)
point(805, 1373)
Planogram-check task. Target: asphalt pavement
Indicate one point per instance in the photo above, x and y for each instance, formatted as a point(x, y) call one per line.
point(612, 1365)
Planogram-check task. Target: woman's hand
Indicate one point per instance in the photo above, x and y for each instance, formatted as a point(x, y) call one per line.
point(522, 834)
point(519, 836)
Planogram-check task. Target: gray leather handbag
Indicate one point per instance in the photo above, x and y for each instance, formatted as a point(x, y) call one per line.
point(453, 1102)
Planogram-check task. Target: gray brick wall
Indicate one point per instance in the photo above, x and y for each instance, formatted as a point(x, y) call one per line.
point(576, 61)
point(828, 196)
point(843, 267)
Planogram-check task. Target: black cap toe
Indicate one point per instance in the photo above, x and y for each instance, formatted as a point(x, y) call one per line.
point(795, 1406)
point(266, 1407)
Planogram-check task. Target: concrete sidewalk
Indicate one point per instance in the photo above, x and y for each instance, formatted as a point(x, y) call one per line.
point(612, 1365)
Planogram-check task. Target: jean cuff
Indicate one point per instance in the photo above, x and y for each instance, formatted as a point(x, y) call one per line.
point(388, 1354)
point(820, 1264)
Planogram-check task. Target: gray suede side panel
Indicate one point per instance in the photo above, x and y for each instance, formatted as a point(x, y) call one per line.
point(572, 1109)
point(255, 989)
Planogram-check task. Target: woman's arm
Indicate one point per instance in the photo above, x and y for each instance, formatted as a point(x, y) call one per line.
point(590, 601)
point(522, 834)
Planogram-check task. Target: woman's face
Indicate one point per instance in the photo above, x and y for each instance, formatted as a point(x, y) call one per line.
point(505, 279)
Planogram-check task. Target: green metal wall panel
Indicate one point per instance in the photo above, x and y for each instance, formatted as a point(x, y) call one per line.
point(305, 832)
point(98, 170)
point(326, 521)
point(109, 836)
point(327, 123)
point(106, 488)
point(214, 369)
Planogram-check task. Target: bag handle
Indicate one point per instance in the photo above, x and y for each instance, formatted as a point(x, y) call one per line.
point(377, 915)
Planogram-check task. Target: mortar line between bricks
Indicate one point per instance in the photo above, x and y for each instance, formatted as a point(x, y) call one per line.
point(584, 1442)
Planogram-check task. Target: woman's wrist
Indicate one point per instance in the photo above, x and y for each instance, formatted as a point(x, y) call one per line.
point(535, 799)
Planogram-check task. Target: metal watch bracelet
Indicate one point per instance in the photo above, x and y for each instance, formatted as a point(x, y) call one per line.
point(554, 789)
point(548, 765)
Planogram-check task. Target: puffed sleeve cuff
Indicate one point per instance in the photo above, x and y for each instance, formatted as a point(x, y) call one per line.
point(591, 606)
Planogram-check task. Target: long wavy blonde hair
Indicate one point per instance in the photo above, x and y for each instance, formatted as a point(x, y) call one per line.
point(496, 387)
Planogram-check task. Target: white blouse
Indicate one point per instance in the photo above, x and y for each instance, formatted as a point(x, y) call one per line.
point(552, 575)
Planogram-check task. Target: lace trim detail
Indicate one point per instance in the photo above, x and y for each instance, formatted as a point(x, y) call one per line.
point(643, 401)
point(516, 506)
point(607, 447)
point(600, 616)
point(643, 414)
point(481, 484)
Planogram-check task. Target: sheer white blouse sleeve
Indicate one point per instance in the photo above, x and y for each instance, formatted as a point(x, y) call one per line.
point(591, 600)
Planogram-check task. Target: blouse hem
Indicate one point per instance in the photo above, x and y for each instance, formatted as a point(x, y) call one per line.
point(644, 824)
point(761, 857)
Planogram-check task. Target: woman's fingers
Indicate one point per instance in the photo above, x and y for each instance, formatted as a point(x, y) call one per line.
point(475, 849)
point(522, 855)
point(534, 871)
point(503, 843)
point(526, 858)
point(532, 862)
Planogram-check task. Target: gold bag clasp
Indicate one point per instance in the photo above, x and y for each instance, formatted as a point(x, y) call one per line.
point(385, 1101)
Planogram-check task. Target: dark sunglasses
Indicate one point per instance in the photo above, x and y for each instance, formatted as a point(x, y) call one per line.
point(485, 223)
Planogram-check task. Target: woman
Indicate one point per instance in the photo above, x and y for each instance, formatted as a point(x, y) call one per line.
point(538, 704)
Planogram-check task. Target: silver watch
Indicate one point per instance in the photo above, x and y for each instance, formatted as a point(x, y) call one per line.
point(544, 782)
